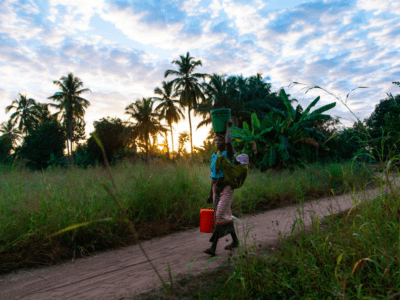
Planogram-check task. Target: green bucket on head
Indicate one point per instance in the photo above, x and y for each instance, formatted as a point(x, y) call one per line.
point(219, 118)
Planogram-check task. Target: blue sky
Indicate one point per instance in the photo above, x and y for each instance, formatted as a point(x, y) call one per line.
point(121, 49)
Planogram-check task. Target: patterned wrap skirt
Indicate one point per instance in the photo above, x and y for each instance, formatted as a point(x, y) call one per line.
point(222, 218)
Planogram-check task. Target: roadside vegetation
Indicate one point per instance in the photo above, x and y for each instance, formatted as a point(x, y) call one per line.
point(351, 255)
point(160, 198)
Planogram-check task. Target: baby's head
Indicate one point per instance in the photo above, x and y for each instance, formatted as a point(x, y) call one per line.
point(243, 159)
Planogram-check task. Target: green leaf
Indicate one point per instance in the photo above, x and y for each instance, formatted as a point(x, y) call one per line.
point(266, 122)
point(250, 138)
point(266, 130)
point(237, 130)
point(264, 160)
point(254, 121)
point(272, 156)
point(305, 113)
point(320, 111)
point(282, 126)
point(284, 141)
point(246, 128)
point(321, 117)
point(279, 112)
point(332, 136)
point(337, 265)
point(283, 152)
point(84, 224)
point(235, 135)
point(316, 132)
point(290, 111)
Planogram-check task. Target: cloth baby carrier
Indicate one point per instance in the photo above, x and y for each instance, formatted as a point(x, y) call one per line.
point(235, 175)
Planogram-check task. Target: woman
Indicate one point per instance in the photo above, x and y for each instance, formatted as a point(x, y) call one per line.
point(222, 194)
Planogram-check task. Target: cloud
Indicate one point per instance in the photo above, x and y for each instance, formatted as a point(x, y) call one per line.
point(73, 15)
point(28, 7)
point(14, 27)
point(379, 7)
point(151, 25)
point(305, 43)
point(246, 17)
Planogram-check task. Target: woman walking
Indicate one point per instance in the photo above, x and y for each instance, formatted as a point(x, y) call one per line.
point(222, 194)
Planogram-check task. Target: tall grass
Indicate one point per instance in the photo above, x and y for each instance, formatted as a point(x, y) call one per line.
point(36, 204)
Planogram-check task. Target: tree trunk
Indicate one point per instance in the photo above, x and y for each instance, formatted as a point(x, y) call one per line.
point(147, 147)
point(67, 148)
point(190, 126)
point(70, 138)
point(172, 139)
point(166, 138)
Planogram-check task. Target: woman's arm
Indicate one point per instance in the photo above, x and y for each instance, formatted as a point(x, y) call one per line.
point(228, 140)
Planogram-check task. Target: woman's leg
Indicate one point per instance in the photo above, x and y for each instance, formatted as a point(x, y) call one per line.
point(211, 250)
point(225, 215)
point(235, 242)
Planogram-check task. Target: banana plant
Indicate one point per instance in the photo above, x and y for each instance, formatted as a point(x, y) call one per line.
point(276, 138)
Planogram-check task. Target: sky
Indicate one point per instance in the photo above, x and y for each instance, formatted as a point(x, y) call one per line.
point(121, 49)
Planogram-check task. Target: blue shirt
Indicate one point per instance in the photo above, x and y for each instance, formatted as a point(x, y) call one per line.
point(219, 173)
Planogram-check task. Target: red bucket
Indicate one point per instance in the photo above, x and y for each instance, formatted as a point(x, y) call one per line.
point(206, 220)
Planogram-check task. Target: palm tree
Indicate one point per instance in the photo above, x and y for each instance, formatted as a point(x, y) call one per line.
point(187, 86)
point(220, 93)
point(71, 104)
point(146, 120)
point(183, 138)
point(25, 113)
point(169, 111)
point(9, 132)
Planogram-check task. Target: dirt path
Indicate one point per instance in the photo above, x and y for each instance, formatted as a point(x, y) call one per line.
point(126, 272)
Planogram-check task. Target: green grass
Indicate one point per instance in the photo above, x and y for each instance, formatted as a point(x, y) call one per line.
point(34, 205)
point(351, 255)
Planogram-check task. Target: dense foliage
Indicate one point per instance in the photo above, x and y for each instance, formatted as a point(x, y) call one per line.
point(267, 126)
point(5, 149)
point(384, 128)
point(38, 147)
point(109, 131)
point(278, 135)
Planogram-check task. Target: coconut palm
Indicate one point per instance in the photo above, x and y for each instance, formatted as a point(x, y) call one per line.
point(25, 113)
point(187, 86)
point(147, 121)
point(235, 93)
point(71, 104)
point(169, 112)
point(182, 139)
point(219, 93)
point(10, 133)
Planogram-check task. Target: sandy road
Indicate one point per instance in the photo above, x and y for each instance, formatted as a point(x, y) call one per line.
point(126, 272)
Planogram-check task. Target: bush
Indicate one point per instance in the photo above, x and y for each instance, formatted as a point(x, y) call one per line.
point(109, 131)
point(38, 147)
point(5, 149)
